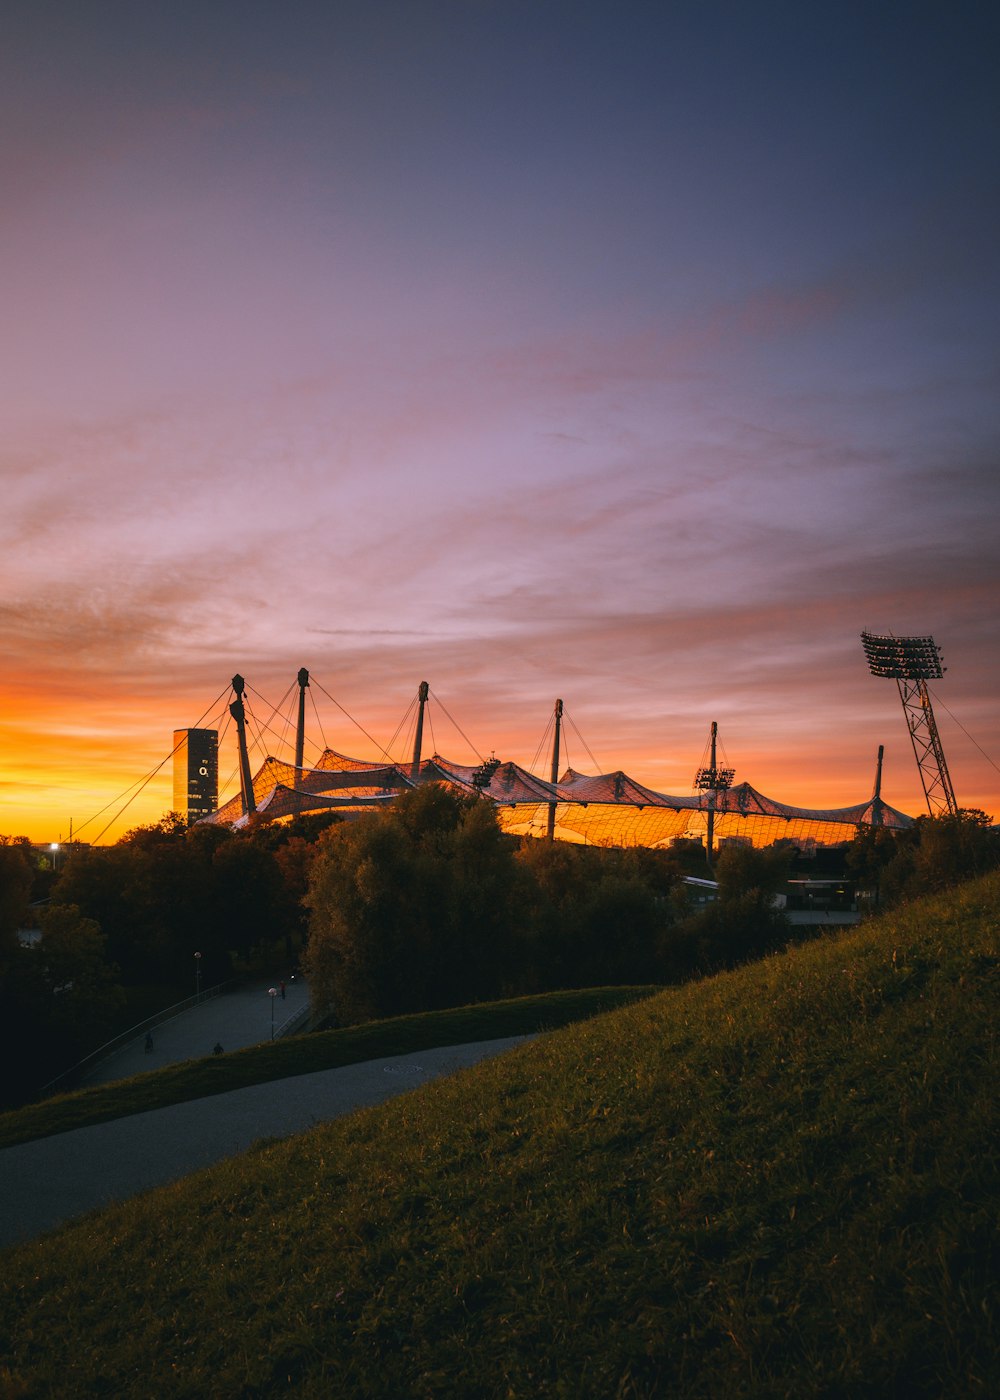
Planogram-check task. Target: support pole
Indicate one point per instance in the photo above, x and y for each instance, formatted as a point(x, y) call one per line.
point(300, 730)
point(550, 830)
point(418, 741)
point(711, 798)
point(877, 794)
point(236, 709)
point(711, 780)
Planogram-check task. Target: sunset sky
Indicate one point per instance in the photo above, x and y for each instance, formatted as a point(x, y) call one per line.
point(640, 354)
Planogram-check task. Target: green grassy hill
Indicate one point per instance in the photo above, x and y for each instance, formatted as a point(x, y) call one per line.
point(778, 1182)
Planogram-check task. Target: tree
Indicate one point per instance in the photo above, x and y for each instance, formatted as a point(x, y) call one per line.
point(745, 921)
point(307, 827)
point(166, 891)
point(933, 854)
point(61, 1000)
point(171, 827)
point(16, 876)
point(15, 1021)
point(939, 852)
point(252, 907)
point(294, 859)
point(82, 993)
point(108, 885)
point(592, 915)
point(410, 908)
point(867, 857)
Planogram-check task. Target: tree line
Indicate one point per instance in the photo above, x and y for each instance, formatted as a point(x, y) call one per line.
point(431, 904)
point(115, 933)
point(423, 905)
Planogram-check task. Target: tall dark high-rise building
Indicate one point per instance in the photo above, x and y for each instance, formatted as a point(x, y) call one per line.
point(196, 772)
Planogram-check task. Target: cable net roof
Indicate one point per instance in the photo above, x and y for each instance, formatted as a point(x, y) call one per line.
point(609, 809)
point(344, 783)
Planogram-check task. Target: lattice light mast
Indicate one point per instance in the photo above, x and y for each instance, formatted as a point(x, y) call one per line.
point(911, 662)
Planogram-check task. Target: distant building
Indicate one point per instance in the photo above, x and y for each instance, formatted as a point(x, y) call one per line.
point(820, 902)
point(196, 773)
point(699, 892)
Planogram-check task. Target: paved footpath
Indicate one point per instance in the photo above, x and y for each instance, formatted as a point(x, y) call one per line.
point(54, 1179)
point(234, 1019)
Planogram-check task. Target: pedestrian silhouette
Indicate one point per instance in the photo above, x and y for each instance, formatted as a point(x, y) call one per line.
point(149, 1043)
point(218, 1049)
point(282, 986)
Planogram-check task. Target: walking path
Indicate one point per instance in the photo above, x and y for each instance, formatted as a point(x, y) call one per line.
point(233, 1019)
point(53, 1179)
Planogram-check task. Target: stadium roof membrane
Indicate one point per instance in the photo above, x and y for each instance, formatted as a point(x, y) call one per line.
point(610, 809)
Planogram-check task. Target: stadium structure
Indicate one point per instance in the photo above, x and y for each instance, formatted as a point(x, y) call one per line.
point(610, 809)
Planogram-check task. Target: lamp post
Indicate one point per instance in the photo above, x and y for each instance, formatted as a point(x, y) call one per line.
point(197, 974)
point(54, 848)
point(272, 993)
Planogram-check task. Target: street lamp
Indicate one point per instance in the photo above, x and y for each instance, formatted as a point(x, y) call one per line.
point(54, 848)
point(197, 974)
point(272, 993)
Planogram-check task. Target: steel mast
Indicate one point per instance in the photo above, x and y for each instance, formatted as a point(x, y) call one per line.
point(877, 790)
point(238, 712)
point(419, 739)
point(911, 662)
point(550, 828)
point(713, 780)
point(300, 730)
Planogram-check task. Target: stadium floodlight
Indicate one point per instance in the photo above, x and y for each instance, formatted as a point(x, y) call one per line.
point(714, 779)
point(903, 658)
point(483, 775)
point(911, 662)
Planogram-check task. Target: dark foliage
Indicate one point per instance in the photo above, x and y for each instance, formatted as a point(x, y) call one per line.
point(429, 905)
point(935, 854)
point(132, 916)
point(411, 910)
point(744, 921)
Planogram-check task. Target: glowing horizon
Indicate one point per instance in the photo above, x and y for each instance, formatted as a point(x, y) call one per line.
point(110, 802)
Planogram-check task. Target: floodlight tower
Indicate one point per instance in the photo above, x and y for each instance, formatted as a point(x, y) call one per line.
point(911, 662)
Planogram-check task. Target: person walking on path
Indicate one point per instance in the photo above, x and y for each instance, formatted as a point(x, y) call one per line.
point(282, 986)
point(149, 1042)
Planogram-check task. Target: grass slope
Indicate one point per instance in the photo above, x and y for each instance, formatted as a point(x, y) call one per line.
point(778, 1182)
point(305, 1054)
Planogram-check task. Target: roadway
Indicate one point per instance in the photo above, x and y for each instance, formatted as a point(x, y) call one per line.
point(51, 1180)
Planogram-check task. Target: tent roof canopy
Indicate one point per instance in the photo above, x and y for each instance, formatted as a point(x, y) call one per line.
point(642, 815)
